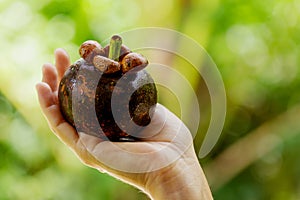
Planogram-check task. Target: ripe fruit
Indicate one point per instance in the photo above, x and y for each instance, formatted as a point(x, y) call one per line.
point(107, 93)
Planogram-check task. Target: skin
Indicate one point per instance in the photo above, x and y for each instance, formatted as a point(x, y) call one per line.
point(164, 139)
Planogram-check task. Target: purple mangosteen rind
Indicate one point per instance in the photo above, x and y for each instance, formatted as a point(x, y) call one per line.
point(85, 97)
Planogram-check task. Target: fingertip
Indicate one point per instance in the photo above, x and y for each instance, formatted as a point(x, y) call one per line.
point(47, 65)
point(42, 86)
point(43, 90)
point(44, 94)
point(61, 55)
point(62, 61)
point(48, 68)
point(50, 76)
point(37, 87)
point(60, 51)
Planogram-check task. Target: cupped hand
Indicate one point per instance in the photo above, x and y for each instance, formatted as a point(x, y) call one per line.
point(161, 157)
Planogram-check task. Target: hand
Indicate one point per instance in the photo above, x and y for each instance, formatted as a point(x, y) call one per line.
point(163, 164)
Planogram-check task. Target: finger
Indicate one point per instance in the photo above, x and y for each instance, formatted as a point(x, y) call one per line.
point(67, 134)
point(62, 62)
point(45, 95)
point(49, 106)
point(51, 110)
point(50, 76)
point(163, 126)
point(89, 141)
point(156, 125)
point(167, 127)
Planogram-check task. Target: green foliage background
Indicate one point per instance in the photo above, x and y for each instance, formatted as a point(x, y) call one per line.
point(255, 45)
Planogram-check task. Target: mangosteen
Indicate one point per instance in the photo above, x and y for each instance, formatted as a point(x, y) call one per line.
point(108, 93)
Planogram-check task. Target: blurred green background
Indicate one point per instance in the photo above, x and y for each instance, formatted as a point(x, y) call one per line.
point(255, 45)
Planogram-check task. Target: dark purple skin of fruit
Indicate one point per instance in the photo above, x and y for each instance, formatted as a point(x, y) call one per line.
point(85, 97)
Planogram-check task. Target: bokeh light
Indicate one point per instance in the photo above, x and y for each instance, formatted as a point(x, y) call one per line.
point(255, 45)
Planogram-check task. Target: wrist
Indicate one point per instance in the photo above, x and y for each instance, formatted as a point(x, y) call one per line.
point(183, 179)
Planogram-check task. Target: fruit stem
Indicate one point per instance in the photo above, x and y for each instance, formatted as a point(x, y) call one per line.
point(115, 47)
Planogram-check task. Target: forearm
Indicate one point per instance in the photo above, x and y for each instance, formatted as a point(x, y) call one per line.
point(183, 180)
